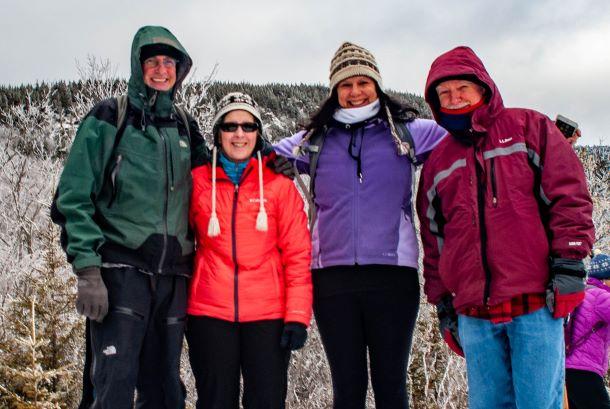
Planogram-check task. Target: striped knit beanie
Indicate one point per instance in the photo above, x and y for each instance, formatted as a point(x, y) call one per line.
point(351, 60)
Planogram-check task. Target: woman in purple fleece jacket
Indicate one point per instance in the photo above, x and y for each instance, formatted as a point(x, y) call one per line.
point(587, 357)
point(366, 290)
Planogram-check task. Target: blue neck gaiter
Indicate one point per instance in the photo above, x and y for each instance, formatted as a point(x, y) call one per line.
point(458, 121)
point(455, 122)
point(234, 170)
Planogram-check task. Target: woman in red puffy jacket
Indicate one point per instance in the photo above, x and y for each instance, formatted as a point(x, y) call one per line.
point(250, 296)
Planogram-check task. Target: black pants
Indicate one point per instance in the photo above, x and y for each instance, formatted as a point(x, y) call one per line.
point(218, 349)
point(586, 390)
point(377, 317)
point(138, 344)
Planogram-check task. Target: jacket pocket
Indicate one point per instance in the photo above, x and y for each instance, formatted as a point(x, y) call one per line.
point(114, 176)
point(275, 272)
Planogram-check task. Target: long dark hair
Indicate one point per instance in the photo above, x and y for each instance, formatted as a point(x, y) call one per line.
point(400, 111)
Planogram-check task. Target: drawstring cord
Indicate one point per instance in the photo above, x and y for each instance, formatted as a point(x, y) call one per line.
point(261, 218)
point(214, 224)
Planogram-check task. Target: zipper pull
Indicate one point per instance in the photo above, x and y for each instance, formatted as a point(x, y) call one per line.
point(236, 188)
point(494, 201)
point(360, 177)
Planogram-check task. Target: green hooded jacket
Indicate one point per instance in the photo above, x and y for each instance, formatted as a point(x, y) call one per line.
point(129, 204)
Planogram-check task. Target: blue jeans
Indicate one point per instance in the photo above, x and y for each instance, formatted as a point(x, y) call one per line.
point(519, 364)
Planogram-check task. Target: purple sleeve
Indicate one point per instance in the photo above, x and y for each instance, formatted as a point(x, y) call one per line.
point(285, 148)
point(426, 135)
point(602, 306)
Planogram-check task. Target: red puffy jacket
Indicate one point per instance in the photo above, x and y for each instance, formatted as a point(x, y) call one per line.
point(495, 207)
point(244, 274)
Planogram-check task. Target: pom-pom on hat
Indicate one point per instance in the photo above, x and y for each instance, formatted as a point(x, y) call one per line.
point(351, 60)
point(600, 267)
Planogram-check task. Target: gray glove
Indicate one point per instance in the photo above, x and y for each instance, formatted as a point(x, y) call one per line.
point(92, 297)
point(282, 165)
point(448, 324)
point(567, 286)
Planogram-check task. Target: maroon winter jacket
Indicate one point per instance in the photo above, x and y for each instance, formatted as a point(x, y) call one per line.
point(494, 206)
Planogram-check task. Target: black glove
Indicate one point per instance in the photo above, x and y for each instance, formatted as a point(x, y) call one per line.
point(92, 297)
point(293, 336)
point(282, 165)
point(567, 286)
point(448, 324)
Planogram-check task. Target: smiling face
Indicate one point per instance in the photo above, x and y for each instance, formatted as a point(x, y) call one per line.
point(238, 145)
point(159, 72)
point(355, 92)
point(457, 94)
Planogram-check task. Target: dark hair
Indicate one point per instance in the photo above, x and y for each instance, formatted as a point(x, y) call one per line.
point(400, 111)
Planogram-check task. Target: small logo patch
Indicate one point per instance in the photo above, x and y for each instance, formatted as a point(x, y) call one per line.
point(506, 140)
point(183, 144)
point(109, 350)
point(574, 243)
point(256, 200)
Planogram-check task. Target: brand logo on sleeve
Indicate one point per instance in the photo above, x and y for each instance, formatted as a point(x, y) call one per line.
point(574, 243)
point(505, 140)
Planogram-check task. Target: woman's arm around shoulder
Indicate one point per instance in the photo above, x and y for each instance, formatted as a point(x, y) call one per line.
point(426, 135)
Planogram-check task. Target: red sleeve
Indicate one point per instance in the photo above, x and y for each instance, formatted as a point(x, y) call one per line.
point(295, 247)
point(430, 227)
point(563, 190)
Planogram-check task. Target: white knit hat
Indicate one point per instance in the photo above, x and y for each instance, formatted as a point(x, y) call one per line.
point(234, 101)
point(351, 60)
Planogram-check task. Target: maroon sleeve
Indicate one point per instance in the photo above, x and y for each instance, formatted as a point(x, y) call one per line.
point(563, 189)
point(433, 286)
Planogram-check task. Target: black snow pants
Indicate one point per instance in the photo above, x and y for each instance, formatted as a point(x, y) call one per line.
point(138, 345)
point(219, 350)
point(367, 311)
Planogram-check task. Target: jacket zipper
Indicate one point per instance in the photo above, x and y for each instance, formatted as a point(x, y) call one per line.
point(494, 190)
point(234, 250)
point(171, 166)
point(113, 179)
point(483, 230)
point(165, 204)
point(357, 182)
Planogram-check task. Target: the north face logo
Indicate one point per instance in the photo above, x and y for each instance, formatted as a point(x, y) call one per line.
point(109, 350)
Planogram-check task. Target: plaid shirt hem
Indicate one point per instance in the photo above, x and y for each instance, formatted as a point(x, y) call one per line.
point(505, 312)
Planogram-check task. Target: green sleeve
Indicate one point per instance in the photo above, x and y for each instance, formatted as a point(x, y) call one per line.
point(79, 186)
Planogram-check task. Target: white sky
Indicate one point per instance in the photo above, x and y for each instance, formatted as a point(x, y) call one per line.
point(543, 54)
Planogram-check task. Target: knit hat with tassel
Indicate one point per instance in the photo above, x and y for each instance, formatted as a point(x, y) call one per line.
point(231, 102)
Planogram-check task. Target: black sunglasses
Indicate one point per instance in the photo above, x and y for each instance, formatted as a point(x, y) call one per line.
point(232, 126)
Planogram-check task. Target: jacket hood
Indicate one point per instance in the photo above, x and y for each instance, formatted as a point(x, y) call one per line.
point(463, 63)
point(139, 94)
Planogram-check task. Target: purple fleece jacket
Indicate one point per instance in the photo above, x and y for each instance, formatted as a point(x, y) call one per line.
point(592, 354)
point(367, 221)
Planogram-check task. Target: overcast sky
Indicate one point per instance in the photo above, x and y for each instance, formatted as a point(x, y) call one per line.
point(543, 54)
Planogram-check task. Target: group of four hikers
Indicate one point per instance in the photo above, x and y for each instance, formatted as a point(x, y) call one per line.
point(168, 237)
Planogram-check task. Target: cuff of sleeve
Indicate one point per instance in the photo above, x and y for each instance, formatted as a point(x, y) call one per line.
point(81, 262)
